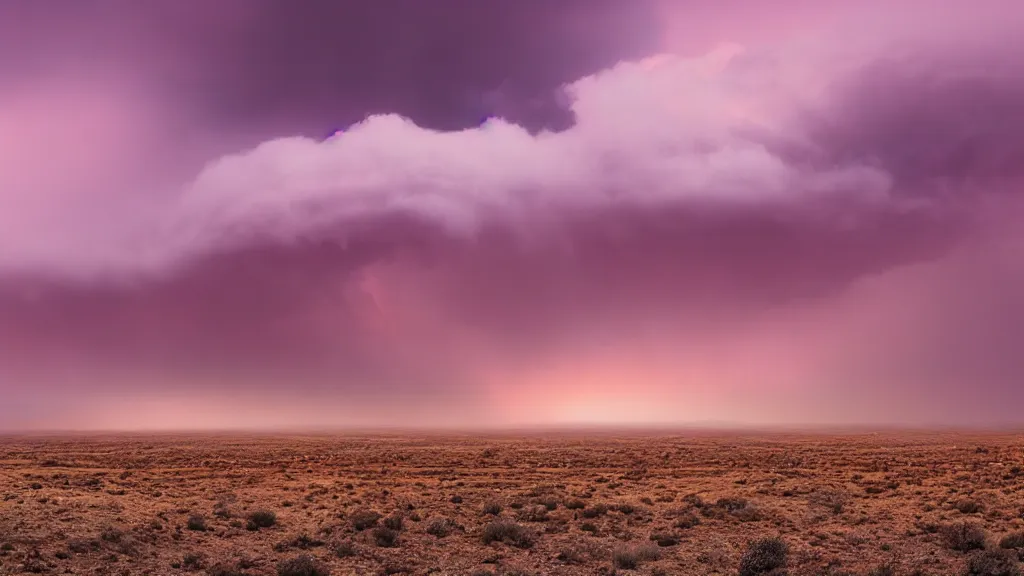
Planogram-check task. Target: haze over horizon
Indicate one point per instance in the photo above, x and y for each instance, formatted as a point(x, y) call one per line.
point(269, 214)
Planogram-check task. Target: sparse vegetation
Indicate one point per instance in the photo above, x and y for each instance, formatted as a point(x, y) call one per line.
point(385, 537)
point(533, 514)
point(364, 519)
point(1014, 540)
point(764, 556)
point(964, 536)
point(441, 527)
point(993, 563)
point(385, 507)
point(968, 506)
point(393, 522)
point(664, 539)
point(304, 565)
point(509, 533)
point(193, 561)
point(345, 549)
point(595, 511)
point(575, 504)
point(630, 556)
point(260, 519)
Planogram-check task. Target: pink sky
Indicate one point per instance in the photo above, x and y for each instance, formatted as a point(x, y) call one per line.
point(679, 212)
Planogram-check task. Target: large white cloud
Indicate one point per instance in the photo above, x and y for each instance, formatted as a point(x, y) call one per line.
point(663, 130)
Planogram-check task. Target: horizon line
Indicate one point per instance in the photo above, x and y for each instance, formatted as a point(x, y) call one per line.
point(725, 428)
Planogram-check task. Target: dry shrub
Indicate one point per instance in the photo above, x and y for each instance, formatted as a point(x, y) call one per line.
point(580, 552)
point(385, 537)
point(260, 519)
point(764, 556)
point(664, 539)
point(630, 556)
point(1014, 541)
point(345, 549)
point(533, 514)
point(441, 527)
point(833, 500)
point(363, 519)
point(964, 536)
point(595, 511)
point(992, 563)
point(197, 523)
point(304, 565)
point(575, 504)
point(687, 521)
point(193, 561)
point(738, 508)
point(968, 506)
point(393, 522)
point(509, 533)
point(83, 545)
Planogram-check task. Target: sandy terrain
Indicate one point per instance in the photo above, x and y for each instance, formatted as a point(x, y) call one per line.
point(584, 504)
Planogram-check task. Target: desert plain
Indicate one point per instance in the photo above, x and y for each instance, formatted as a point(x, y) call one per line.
point(566, 503)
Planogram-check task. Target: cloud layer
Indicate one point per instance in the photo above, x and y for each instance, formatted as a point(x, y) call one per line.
point(759, 233)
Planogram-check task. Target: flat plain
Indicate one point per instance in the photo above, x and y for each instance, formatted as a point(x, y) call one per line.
point(513, 504)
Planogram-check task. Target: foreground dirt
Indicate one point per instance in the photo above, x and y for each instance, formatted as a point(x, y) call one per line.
point(671, 504)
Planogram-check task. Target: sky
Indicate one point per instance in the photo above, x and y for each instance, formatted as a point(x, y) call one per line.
point(272, 214)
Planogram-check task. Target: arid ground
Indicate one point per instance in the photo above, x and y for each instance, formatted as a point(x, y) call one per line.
point(682, 503)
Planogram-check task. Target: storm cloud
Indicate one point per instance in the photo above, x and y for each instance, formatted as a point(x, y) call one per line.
point(750, 229)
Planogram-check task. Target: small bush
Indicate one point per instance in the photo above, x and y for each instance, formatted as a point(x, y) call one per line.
point(304, 565)
point(550, 503)
point(589, 527)
point(595, 511)
point(964, 536)
point(261, 519)
point(993, 563)
point(302, 542)
point(1012, 541)
point(533, 514)
point(394, 522)
point(492, 508)
point(631, 556)
point(509, 533)
point(385, 537)
point(441, 527)
point(968, 506)
point(197, 523)
point(580, 552)
point(345, 549)
point(687, 521)
point(833, 500)
point(664, 539)
point(575, 504)
point(193, 561)
point(82, 546)
point(764, 556)
point(363, 519)
point(738, 508)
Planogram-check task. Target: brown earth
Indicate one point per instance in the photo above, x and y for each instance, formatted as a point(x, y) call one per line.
point(173, 504)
